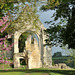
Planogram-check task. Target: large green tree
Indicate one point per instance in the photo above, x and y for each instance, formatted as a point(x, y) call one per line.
point(63, 32)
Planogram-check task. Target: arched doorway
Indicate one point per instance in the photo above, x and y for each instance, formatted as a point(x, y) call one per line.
point(27, 45)
point(30, 52)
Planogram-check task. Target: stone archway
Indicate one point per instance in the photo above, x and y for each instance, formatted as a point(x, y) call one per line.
point(34, 58)
point(37, 55)
point(45, 56)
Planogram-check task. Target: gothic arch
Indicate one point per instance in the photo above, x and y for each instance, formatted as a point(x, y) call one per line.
point(17, 56)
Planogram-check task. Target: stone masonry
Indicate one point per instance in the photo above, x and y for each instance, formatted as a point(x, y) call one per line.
point(37, 54)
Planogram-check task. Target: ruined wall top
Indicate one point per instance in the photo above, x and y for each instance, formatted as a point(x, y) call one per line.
point(28, 21)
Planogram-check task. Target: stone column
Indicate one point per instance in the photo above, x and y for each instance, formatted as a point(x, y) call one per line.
point(34, 60)
point(39, 63)
point(16, 50)
point(28, 43)
point(48, 57)
point(41, 46)
point(47, 53)
point(28, 49)
point(44, 49)
point(16, 60)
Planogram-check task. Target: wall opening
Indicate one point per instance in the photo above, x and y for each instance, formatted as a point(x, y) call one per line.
point(24, 37)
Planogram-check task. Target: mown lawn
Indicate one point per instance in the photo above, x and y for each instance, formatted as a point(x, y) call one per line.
point(37, 72)
point(7, 70)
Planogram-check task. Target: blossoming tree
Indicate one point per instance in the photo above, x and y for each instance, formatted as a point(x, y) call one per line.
point(3, 45)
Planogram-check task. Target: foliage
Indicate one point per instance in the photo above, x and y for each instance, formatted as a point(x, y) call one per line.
point(52, 63)
point(22, 40)
point(63, 32)
point(70, 52)
point(3, 42)
point(6, 5)
point(7, 8)
point(57, 54)
point(50, 5)
point(68, 60)
point(27, 18)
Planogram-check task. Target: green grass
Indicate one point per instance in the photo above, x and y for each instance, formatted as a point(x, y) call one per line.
point(12, 73)
point(40, 71)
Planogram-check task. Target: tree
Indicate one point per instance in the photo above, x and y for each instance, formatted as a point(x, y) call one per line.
point(63, 32)
point(71, 53)
point(57, 54)
point(7, 6)
point(3, 43)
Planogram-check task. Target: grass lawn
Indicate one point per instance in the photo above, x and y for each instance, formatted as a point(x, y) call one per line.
point(41, 71)
point(37, 72)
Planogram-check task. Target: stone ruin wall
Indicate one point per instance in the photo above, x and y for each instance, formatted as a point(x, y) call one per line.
point(37, 58)
point(34, 54)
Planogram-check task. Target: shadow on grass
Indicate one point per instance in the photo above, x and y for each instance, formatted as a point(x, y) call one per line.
point(64, 72)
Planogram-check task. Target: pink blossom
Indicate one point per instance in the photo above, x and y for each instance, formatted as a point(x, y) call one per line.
point(6, 36)
point(6, 25)
point(8, 57)
point(1, 22)
point(2, 29)
point(1, 42)
point(2, 61)
point(2, 39)
point(7, 48)
point(3, 46)
point(6, 62)
point(5, 18)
